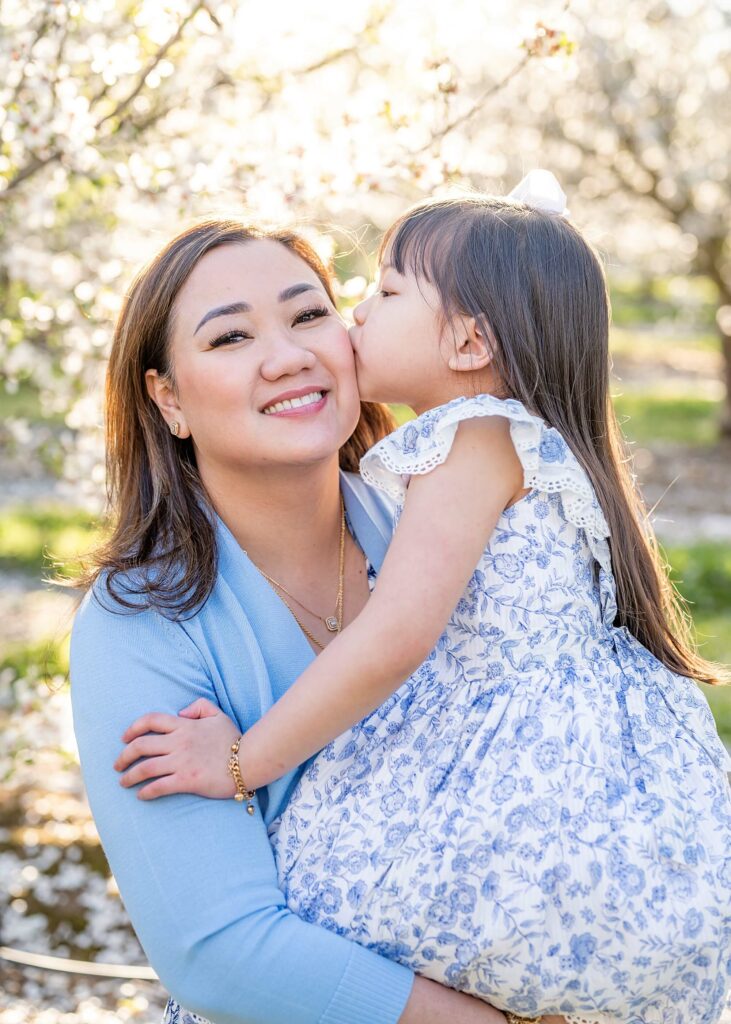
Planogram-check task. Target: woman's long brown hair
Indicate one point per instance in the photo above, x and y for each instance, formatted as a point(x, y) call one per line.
point(162, 552)
point(532, 281)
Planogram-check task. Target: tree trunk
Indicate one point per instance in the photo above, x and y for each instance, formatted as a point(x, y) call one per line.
point(710, 261)
point(726, 351)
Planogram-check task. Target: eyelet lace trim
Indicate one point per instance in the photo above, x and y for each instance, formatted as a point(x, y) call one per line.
point(572, 1018)
point(548, 463)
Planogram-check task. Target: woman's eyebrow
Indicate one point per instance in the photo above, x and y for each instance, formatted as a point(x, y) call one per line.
point(229, 310)
point(243, 307)
point(294, 290)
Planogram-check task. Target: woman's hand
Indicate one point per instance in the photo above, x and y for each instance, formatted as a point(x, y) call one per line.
point(184, 754)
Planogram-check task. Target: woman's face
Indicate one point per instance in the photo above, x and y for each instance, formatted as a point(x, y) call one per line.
point(262, 362)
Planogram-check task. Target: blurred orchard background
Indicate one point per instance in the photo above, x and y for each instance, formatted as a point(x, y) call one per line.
point(122, 121)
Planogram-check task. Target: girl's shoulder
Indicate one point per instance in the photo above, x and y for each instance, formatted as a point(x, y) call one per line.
point(549, 464)
point(423, 443)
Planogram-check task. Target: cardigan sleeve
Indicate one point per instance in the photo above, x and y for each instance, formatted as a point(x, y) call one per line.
point(197, 876)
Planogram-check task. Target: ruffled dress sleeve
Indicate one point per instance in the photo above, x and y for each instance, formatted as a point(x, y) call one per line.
point(548, 463)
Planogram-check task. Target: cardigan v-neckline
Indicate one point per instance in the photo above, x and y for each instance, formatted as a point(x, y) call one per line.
point(274, 626)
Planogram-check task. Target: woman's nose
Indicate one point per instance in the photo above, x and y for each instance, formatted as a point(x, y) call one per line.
point(285, 358)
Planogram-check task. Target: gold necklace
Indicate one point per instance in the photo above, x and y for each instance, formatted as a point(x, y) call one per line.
point(333, 623)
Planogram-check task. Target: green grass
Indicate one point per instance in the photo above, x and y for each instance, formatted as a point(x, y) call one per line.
point(44, 658)
point(713, 633)
point(647, 417)
point(702, 573)
point(685, 420)
point(703, 576)
point(25, 404)
point(690, 301)
point(38, 539)
point(650, 342)
point(21, 404)
point(719, 698)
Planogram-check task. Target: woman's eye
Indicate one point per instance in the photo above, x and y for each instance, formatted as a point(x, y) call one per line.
point(314, 313)
point(229, 338)
point(384, 293)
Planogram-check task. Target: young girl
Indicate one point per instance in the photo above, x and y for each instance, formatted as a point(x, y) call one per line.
point(539, 814)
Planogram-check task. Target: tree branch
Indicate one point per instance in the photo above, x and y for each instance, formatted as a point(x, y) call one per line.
point(158, 56)
point(35, 163)
point(492, 89)
point(40, 33)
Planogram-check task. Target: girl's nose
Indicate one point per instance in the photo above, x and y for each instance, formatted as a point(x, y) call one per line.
point(286, 358)
point(360, 312)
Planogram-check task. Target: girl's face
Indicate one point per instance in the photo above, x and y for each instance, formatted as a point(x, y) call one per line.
point(263, 366)
point(397, 339)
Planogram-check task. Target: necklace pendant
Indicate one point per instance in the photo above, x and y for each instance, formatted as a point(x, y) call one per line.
point(332, 623)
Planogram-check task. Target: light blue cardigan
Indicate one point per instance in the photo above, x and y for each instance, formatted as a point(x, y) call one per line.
point(197, 876)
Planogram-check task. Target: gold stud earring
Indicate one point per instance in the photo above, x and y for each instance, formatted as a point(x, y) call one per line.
point(175, 428)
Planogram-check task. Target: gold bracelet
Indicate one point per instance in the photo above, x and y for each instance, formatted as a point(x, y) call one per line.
point(242, 793)
point(513, 1018)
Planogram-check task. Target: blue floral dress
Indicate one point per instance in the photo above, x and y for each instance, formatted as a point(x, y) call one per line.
point(540, 815)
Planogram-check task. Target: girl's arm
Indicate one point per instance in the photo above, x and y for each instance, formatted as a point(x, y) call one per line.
point(448, 517)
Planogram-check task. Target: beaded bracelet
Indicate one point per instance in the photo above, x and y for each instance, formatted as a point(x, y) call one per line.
point(513, 1018)
point(235, 769)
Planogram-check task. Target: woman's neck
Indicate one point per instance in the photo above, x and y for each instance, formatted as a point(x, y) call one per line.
point(287, 519)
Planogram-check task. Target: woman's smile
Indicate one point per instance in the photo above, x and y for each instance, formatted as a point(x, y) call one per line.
point(297, 402)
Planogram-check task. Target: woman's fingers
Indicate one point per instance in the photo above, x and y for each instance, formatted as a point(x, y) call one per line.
point(150, 745)
point(154, 722)
point(151, 768)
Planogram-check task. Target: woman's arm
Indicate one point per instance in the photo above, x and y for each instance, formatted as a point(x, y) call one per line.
point(197, 876)
point(448, 517)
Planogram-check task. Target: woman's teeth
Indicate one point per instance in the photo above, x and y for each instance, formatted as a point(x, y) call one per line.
point(294, 403)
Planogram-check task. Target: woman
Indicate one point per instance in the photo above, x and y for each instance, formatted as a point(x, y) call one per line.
point(231, 401)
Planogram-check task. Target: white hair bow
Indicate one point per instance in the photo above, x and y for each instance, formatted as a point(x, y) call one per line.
point(541, 190)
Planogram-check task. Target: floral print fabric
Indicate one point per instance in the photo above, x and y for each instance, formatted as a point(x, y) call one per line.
point(540, 815)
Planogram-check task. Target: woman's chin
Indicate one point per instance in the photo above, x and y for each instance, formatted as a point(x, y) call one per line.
point(311, 451)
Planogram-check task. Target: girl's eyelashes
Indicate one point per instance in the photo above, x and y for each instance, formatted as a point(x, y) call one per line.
point(384, 293)
point(304, 317)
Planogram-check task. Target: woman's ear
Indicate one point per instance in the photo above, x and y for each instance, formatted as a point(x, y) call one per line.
point(472, 349)
point(162, 393)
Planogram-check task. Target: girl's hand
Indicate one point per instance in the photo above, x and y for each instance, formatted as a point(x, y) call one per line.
point(184, 754)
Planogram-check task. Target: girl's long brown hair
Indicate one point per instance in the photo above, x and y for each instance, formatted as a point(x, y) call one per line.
point(532, 281)
point(162, 549)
